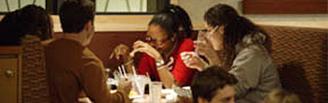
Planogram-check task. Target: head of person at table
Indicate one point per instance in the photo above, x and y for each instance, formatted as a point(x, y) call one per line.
point(213, 85)
point(29, 20)
point(76, 18)
point(168, 28)
point(227, 31)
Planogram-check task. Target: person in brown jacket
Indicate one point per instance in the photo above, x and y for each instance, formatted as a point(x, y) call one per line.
point(73, 68)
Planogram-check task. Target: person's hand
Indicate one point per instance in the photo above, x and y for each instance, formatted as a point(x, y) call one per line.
point(192, 60)
point(124, 86)
point(206, 49)
point(140, 46)
point(84, 100)
point(121, 51)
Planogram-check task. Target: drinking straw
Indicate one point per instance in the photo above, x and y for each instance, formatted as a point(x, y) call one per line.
point(120, 70)
point(124, 72)
point(147, 74)
point(134, 71)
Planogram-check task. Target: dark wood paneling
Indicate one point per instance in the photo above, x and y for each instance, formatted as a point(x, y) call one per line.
point(10, 49)
point(285, 6)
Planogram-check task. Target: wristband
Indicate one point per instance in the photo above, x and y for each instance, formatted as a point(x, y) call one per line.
point(159, 63)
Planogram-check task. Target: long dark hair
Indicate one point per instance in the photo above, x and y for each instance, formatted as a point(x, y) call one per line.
point(176, 22)
point(236, 27)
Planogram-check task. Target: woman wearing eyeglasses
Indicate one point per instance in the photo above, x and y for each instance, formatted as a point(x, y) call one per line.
point(232, 41)
point(167, 36)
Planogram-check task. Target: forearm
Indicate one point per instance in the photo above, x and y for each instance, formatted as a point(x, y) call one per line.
point(165, 76)
point(214, 58)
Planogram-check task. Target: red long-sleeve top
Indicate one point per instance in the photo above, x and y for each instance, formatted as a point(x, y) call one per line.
point(182, 75)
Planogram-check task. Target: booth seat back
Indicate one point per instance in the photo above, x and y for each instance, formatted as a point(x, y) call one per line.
point(301, 56)
point(23, 76)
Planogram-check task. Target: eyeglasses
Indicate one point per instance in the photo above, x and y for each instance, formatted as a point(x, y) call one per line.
point(211, 31)
point(208, 32)
point(153, 40)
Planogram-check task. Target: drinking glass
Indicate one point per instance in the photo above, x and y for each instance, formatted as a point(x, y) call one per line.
point(155, 91)
point(201, 38)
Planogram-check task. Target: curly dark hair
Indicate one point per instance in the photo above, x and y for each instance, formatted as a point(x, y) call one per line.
point(31, 19)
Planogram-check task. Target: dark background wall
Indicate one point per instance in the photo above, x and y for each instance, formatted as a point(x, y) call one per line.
point(103, 44)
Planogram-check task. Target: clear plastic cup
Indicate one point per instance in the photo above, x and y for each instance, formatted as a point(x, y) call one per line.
point(201, 38)
point(155, 92)
point(138, 84)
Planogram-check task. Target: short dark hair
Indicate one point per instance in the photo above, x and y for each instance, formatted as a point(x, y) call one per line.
point(74, 14)
point(206, 83)
point(31, 19)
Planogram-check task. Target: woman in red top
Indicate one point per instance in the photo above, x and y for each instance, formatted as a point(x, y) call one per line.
point(160, 57)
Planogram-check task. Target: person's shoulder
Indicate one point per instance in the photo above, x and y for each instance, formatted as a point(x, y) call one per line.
point(54, 46)
point(64, 48)
point(254, 52)
point(88, 53)
point(47, 42)
point(90, 62)
point(253, 57)
point(60, 43)
point(89, 57)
